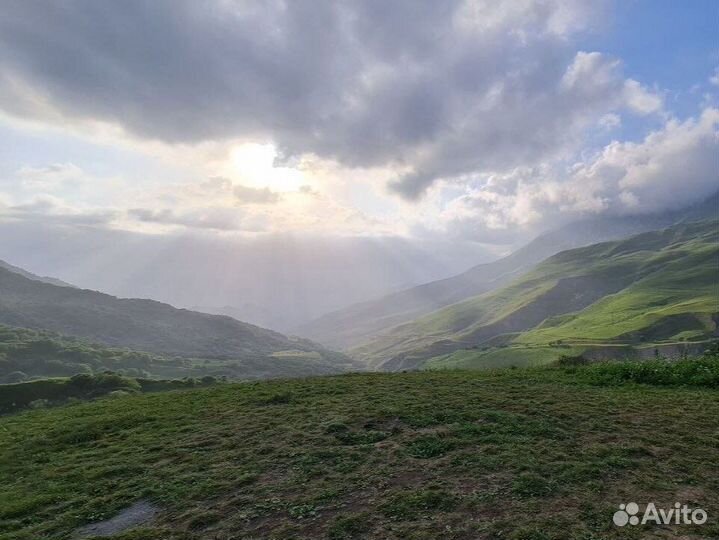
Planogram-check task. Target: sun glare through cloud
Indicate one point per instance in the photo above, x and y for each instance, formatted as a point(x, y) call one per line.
point(254, 164)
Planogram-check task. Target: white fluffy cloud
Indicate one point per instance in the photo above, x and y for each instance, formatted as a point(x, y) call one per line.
point(670, 168)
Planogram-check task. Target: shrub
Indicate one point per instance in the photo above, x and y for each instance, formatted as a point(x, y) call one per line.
point(702, 371)
point(39, 404)
point(571, 361)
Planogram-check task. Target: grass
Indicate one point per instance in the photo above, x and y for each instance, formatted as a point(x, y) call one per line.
point(544, 453)
point(50, 392)
point(688, 372)
point(495, 358)
point(27, 355)
point(653, 288)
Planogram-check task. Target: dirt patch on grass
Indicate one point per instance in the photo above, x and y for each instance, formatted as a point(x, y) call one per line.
point(137, 514)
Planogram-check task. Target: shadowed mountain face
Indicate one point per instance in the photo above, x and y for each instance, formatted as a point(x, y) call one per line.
point(656, 287)
point(359, 324)
point(144, 325)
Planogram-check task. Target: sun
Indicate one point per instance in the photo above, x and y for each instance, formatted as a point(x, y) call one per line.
point(253, 164)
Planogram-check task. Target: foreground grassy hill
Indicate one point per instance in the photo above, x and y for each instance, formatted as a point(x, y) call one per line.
point(537, 454)
point(613, 298)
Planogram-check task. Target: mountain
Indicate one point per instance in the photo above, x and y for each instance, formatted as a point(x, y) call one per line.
point(150, 326)
point(29, 275)
point(276, 281)
point(358, 324)
point(656, 288)
point(247, 311)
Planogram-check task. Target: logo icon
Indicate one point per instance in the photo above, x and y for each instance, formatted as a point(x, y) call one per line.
point(627, 513)
point(678, 515)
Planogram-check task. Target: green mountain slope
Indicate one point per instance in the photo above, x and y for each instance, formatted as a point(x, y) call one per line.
point(154, 327)
point(655, 287)
point(361, 323)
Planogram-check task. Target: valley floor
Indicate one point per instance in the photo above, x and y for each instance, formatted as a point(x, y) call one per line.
point(518, 454)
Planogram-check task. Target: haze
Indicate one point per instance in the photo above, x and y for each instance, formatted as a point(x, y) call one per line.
point(344, 151)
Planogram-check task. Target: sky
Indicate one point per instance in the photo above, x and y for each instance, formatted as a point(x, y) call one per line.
point(460, 120)
point(448, 132)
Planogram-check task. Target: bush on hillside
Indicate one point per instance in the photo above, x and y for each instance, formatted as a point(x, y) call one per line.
point(701, 371)
point(570, 361)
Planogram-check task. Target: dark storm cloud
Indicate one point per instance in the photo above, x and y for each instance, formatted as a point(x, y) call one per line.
point(438, 88)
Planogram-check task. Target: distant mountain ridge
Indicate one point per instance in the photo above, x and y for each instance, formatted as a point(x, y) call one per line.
point(146, 325)
point(351, 327)
point(34, 277)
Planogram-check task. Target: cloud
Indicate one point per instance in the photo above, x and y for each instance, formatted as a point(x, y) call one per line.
point(250, 195)
point(52, 210)
point(57, 176)
point(714, 79)
point(433, 89)
point(306, 189)
point(221, 219)
point(670, 168)
point(641, 100)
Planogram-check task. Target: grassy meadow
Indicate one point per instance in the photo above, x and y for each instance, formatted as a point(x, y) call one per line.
point(523, 454)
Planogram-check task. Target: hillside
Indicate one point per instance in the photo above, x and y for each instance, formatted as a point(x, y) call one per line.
point(154, 327)
point(652, 288)
point(518, 454)
point(359, 324)
point(27, 354)
point(30, 275)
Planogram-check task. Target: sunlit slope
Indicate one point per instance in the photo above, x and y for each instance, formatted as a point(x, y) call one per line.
point(651, 287)
point(360, 324)
point(676, 302)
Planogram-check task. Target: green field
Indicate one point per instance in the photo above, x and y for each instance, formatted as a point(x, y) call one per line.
point(538, 454)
